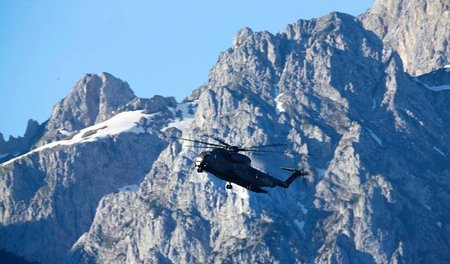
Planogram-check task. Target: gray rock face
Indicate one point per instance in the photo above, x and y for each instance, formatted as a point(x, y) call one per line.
point(379, 181)
point(48, 199)
point(328, 87)
point(95, 98)
point(407, 27)
point(17, 146)
point(48, 196)
point(438, 81)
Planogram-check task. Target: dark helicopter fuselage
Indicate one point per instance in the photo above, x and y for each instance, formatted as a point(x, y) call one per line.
point(233, 167)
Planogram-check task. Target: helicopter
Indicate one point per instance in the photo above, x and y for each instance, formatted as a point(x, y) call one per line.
point(225, 162)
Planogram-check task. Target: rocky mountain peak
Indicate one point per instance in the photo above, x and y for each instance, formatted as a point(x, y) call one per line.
point(407, 25)
point(33, 128)
point(327, 55)
point(378, 139)
point(15, 146)
point(94, 98)
point(242, 36)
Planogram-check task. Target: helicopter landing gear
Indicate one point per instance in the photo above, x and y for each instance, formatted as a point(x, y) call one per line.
point(229, 186)
point(199, 170)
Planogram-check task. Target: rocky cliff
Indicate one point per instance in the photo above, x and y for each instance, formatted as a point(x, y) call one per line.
point(49, 194)
point(326, 86)
point(417, 30)
point(333, 87)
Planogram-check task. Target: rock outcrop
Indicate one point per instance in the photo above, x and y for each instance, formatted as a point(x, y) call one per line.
point(417, 30)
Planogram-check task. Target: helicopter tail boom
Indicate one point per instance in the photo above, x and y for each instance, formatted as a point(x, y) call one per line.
point(295, 174)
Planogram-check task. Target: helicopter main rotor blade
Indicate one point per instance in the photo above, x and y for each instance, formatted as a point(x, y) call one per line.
point(261, 151)
point(220, 141)
point(266, 146)
point(249, 149)
point(198, 141)
point(257, 154)
point(203, 147)
point(288, 169)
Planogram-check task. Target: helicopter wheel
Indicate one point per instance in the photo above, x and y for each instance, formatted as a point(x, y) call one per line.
point(229, 186)
point(199, 170)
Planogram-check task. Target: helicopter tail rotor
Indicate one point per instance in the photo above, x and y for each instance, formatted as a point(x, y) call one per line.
point(295, 174)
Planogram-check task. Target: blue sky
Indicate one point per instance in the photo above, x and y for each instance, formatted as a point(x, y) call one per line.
point(158, 47)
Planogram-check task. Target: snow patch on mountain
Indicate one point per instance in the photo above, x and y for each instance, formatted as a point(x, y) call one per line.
point(412, 115)
point(300, 225)
point(436, 88)
point(375, 137)
point(303, 208)
point(123, 122)
point(65, 132)
point(120, 123)
point(280, 104)
point(279, 107)
point(440, 151)
point(184, 115)
point(266, 218)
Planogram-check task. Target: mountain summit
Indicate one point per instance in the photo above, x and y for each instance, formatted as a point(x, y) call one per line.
point(95, 98)
point(108, 183)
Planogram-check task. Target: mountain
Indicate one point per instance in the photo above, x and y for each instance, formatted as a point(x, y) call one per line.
point(114, 186)
point(417, 30)
point(328, 87)
point(49, 195)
